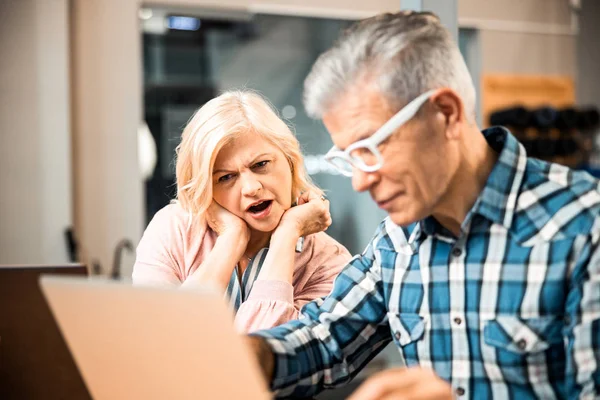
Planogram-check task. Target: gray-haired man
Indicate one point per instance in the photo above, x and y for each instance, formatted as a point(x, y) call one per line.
point(486, 274)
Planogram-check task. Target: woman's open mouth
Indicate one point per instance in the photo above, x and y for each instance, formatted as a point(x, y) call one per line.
point(261, 209)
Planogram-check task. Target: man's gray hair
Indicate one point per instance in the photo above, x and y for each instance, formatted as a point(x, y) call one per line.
point(406, 53)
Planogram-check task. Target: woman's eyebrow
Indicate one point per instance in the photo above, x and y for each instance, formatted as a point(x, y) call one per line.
point(259, 156)
point(218, 171)
point(221, 170)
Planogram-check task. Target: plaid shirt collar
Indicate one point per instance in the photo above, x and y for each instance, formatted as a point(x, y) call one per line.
point(497, 202)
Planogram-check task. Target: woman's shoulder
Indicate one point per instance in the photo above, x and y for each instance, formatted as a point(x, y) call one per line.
point(322, 257)
point(174, 219)
point(172, 211)
point(322, 242)
point(171, 246)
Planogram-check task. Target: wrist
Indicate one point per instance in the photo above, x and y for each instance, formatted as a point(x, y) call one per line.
point(240, 233)
point(265, 357)
point(268, 363)
point(286, 232)
point(237, 241)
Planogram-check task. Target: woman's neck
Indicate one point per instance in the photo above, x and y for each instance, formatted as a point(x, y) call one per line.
point(258, 240)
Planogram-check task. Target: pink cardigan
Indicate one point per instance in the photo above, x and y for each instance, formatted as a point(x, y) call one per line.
point(174, 246)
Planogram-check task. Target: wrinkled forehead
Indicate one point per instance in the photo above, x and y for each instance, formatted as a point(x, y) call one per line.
point(356, 115)
point(243, 149)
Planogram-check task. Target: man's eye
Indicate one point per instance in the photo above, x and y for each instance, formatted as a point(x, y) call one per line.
point(260, 164)
point(225, 178)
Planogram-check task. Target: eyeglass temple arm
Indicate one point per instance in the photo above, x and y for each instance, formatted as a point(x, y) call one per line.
point(403, 116)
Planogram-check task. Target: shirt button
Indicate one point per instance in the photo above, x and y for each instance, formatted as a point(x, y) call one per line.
point(457, 321)
point(397, 335)
point(456, 252)
point(460, 391)
point(522, 344)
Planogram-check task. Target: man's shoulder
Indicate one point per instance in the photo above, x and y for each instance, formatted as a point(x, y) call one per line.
point(392, 237)
point(556, 202)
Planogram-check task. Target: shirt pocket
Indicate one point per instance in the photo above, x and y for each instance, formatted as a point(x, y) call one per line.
point(520, 346)
point(407, 330)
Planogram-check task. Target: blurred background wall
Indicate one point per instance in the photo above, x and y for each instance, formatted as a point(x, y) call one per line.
point(36, 198)
point(529, 37)
point(71, 96)
point(588, 54)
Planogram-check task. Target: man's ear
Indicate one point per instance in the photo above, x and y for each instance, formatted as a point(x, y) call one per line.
point(449, 104)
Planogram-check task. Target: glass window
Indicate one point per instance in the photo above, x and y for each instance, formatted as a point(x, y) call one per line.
point(185, 67)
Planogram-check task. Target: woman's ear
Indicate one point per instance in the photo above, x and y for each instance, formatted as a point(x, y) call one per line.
point(294, 200)
point(296, 194)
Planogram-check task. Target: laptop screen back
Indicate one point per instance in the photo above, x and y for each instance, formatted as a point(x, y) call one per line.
point(35, 362)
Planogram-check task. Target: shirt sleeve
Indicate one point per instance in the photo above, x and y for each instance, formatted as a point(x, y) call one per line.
point(583, 329)
point(157, 254)
point(272, 303)
point(336, 337)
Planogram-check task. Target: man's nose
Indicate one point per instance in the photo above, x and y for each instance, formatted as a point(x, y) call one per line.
point(362, 180)
point(250, 185)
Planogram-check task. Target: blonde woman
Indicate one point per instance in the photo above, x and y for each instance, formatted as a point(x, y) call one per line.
point(247, 219)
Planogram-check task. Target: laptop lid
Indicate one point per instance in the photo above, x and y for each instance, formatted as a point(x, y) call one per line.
point(35, 362)
point(153, 343)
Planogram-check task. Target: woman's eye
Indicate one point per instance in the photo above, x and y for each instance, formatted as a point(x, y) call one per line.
point(225, 178)
point(260, 164)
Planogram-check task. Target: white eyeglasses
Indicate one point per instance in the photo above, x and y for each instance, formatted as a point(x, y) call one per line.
point(364, 154)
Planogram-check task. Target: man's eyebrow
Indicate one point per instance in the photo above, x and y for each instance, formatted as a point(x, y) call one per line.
point(363, 136)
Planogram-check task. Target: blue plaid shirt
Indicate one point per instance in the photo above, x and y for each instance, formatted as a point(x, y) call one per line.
point(509, 309)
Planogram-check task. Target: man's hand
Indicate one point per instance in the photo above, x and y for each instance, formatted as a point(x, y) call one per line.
point(404, 383)
point(264, 355)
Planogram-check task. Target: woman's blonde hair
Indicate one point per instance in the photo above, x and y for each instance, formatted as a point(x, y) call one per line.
point(219, 122)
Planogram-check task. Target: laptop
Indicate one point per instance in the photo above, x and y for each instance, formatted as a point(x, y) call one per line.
point(133, 342)
point(35, 362)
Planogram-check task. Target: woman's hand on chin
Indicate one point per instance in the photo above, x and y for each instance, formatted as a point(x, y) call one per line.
point(311, 215)
point(225, 223)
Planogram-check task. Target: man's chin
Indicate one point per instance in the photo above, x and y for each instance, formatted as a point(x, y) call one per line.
point(402, 218)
